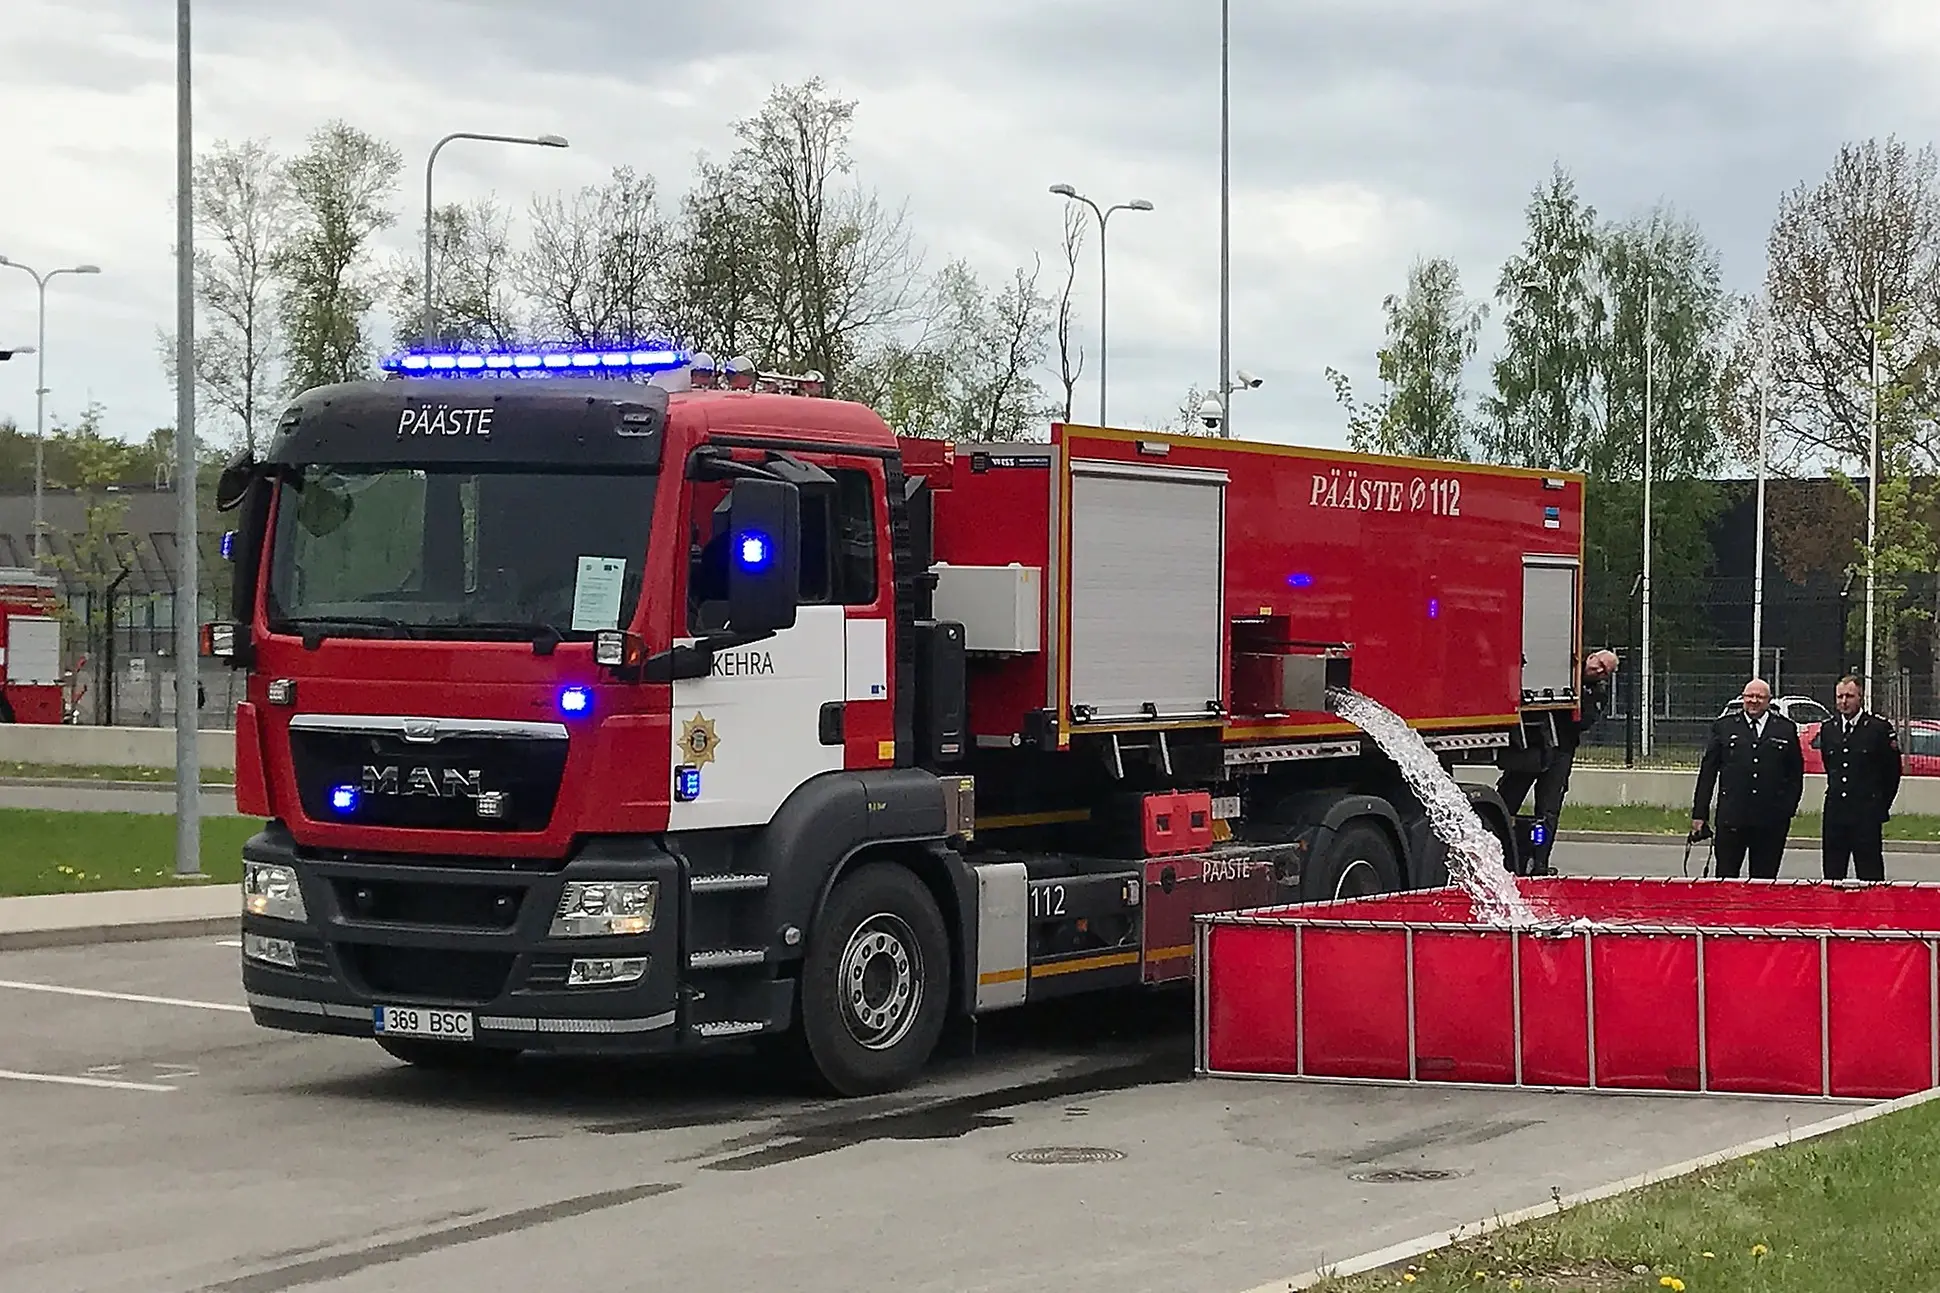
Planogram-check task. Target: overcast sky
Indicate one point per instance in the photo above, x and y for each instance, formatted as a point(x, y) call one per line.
point(1365, 132)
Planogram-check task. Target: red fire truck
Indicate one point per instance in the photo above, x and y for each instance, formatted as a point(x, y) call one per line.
point(620, 702)
point(30, 648)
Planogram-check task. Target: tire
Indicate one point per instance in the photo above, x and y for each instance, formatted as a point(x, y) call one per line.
point(1359, 861)
point(447, 1057)
point(875, 982)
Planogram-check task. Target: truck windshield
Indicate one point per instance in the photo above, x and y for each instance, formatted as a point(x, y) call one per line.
point(462, 553)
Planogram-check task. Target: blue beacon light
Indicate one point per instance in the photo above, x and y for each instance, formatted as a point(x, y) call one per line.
point(575, 700)
point(343, 799)
point(534, 362)
point(753, 550)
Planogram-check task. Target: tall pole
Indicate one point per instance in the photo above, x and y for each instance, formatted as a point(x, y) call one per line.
point(1104, 220)
point(1872, 494)
point(1758, 547)
point(536, 141)
point(1650, 357)
point(40, 390)
point(1103, 349)
point(1225, 223)
point(40, 421)
point(188, 761)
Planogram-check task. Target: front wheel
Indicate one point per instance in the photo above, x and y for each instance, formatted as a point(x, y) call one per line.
point(875, 982)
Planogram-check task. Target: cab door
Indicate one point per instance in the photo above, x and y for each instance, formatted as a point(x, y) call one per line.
point(775, 714)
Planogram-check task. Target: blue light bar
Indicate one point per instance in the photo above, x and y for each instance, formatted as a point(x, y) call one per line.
point(535, 362)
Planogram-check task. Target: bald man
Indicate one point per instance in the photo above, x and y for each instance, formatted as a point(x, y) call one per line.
point(1755, 763)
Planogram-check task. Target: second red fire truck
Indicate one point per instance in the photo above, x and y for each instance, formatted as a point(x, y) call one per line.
point(607, 701)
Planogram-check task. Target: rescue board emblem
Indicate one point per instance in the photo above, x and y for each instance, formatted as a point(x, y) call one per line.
point(698, 740)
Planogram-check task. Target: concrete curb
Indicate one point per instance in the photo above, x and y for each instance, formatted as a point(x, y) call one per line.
point(1408, 1249)
point(1657, 837)
point(140, 932)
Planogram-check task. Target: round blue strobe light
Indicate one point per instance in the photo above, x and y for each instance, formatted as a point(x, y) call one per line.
point(575, 700)
point(343, 798)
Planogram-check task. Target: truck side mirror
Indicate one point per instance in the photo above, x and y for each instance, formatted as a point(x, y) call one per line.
point(235, 480)
point(764, 556)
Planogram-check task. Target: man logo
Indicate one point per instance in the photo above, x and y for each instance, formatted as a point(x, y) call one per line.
point(420, 731)
point(435, 783)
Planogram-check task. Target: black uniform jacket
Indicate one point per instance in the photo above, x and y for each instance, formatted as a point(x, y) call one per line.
point(1759, 780)
point(1862, 769)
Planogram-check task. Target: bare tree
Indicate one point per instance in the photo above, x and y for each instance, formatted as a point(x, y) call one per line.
point(242, 206)
point(341, 188)
point(843, 274)
point(597, 264)
point(1872, 224)
point(473, 264)
point(1071, 359)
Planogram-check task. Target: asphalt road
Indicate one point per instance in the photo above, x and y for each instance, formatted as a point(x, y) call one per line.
point(169, 1144)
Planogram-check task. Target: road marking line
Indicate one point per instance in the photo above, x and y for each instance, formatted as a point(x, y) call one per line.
point(109, 1083)
point(121, 996)
point(228, 942)
point(1412, 1248)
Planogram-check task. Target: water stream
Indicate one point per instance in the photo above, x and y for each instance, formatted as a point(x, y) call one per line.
point(1475, 859)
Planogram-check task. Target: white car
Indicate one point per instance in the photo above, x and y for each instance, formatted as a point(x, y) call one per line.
point(1800, 709)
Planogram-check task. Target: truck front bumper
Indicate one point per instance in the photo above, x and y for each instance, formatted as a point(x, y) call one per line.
point(378, 931)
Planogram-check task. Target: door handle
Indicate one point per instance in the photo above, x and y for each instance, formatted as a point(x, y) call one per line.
point(830, 723)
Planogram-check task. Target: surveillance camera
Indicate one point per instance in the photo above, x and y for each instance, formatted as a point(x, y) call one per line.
point(1248, 379)
point(1211, 413)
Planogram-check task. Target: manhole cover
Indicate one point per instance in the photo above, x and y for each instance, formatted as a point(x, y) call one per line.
point(1404, 1175)
point(1067, 1154)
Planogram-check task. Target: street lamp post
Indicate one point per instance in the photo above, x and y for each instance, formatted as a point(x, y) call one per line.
point(536, 141)
point(187, 602)
point(1104, 217)
point(40, 385)
point(1225, 220)
point(1758, 545)
point(1650, 364)
point(1872, 498)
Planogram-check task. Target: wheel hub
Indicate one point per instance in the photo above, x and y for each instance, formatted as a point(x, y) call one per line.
point(881, 982)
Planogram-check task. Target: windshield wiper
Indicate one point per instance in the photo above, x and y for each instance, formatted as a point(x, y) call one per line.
point(544, 637)
point(315, 628)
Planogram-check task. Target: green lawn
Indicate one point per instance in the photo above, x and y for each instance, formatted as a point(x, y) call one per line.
point(55, 852)
point(1676, 821)
point(86, 772)
point(1851, 1210)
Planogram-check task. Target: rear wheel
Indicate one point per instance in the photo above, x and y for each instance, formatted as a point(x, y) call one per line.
point(447, 1057)
point(1358, 862)
point(875, 982)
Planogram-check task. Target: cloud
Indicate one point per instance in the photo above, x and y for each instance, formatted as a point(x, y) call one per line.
point(1365, 133)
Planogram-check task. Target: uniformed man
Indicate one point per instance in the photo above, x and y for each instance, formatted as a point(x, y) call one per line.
point(1862, 775)
point(1545, 763)
point(1758, 769)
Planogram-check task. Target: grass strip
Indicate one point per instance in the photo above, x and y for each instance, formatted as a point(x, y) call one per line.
point(1851, 1210)
point(56, 852)
point(1677, 821)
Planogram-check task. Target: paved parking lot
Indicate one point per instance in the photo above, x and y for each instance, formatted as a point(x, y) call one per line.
point(157, 1140)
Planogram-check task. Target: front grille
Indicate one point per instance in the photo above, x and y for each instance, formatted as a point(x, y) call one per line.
point(415, 902)
point(435, 974)
point(428, 787)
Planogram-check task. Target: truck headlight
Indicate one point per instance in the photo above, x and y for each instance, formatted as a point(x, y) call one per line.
point(271, 890)
point(593, 907)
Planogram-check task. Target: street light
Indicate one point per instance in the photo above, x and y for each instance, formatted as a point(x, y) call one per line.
point(536, 141)
point(1104, 216)
point(1225, 215)
point(40, 382)
point(1650, 365)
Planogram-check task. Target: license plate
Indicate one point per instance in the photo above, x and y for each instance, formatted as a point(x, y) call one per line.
point(416, 1021)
